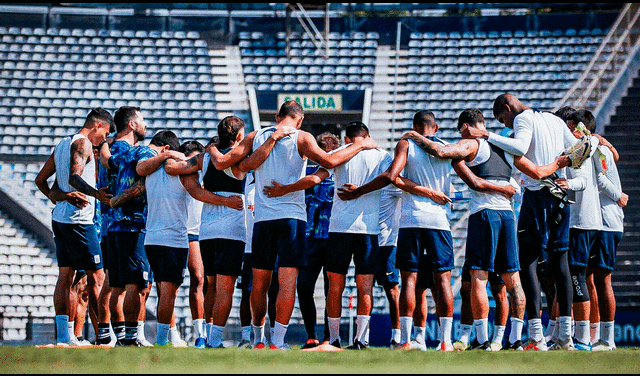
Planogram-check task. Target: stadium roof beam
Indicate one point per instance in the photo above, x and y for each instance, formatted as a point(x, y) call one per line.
point(300, 11)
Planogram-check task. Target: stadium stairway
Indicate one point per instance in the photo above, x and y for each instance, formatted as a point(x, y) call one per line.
point(229, 87)
point(622, 132)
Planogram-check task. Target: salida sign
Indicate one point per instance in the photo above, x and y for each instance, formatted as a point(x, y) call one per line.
point(314, 102)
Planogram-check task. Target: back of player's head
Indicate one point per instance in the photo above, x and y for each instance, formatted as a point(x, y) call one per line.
point(228, 130)
point(290, 108)
point(100, 115)
point(564, 112)
point(471, 116)
point(215, 140)
point(123, 115)
point(191, 146)
point(585, 117)
point(500, 103)
point(164, 138)
point(424, 119)
point(328, 141)
point(356, 129)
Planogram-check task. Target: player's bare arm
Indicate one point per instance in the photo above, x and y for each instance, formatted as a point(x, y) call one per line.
point(308, 146)
point(47, 170)
point(604, 142)
point(192, 185)
point(538, 172)
point(81, 152)
point(105, 152)
point(136, 190)
point(351, 192)
point(459, 150)
point(479, 184)
point(412, 187)
point(75, 198)
point(184, 167)
point(277, 189)
point(148, 166)
point(255, 159)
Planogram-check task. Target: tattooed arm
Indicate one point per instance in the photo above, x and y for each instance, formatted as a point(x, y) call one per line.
point(184, 167)
point(460, 150)
point(81, 152)
point(136, 190)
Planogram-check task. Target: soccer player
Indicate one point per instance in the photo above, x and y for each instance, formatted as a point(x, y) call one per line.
point(196, 270)
point(77, 243)
point(245, 280)
point(278, 231)
point(543, 224)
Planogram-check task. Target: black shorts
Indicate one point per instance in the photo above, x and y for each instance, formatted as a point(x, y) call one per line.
point(281, 239)
point(168, 264)
point(362, 247)
point(245, 282)
point(130, 265)
point(77, 246)
point(222, 256)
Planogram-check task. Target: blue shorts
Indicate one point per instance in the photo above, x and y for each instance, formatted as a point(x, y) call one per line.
point(416, 244)
point(193, 237)
point(77, 246)
point(388, 273)
point(491, 242)
point(581, 242)
point(362, 247)
point(495, 279)
point(245, 282)
point(130, 262)
point(222, 256)
point(281, 239)
point(168, 264)
point(537, 229)
point(603, 254)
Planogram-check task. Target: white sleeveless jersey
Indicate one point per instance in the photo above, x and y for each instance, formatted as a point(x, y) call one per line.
point(167, 208)
point(490, 200)
point(195, 212)
point(362, 215)
point(285, 166)
point(64, 212)
point(390, 211)
point(219, 221)
point(428, 171)
point(249, 191)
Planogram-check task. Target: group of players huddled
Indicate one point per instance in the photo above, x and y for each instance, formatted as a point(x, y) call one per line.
point(277, 206)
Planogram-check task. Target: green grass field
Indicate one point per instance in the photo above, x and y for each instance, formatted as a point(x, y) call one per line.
point(26, 359)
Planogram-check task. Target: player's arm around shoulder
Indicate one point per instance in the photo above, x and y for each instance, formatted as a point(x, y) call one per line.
point(185, 167)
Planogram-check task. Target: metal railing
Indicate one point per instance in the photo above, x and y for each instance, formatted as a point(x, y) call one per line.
point(608, 62)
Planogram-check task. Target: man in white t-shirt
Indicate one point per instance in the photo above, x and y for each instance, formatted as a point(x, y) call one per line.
point(543, 223)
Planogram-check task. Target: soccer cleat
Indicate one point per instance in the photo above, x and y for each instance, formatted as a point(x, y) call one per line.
point(179, 343)
point(260, 346)
point(581, 346)
point(495, 346)
point(415, 345)
point(602, 345)
point(357, 345)
point(563, 345)
point(460, 346)
point(517, 346)
point(443, 346)
point(274, 347)
point(244, 344)
point(474, 344)
point(144, 342)
point(336, 343)
point(484, 347)
point(311, 343)
point(532, 345)
point(394, 345)
point(132, 342)
point(200, 343)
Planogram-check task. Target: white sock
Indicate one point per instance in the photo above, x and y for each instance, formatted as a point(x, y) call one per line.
point(71, 328)
point(112, 334)
point(163, 334)
point(465, 333)
point(279, 332)
point(564, 328)
point(214, 339)
point(554, 335)
point(535, 330)
point(198, 326)
point(258, 334)
point(207, 327)
point(174, 335)
point(607, 332)
point(141, 330)
point(583, 332)
point(420, 333)
point(362, 321)
point(271, 334)
point(595, 332)
point(446, 323)
point(334, 328)
point(516, 330)
point(482, 330)
point(405, 328)
point(246, 333)
point(573, 328)
point(365, 337)
point(550, 328)
point(498, 334)
point(395, 335)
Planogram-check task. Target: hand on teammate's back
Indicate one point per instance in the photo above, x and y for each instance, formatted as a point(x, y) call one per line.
point(103, 196)
point(348, 192)
point(77, 199)
point(508, 191)
point(440, 198)
point(274, 190)
point(282, 132)
point(369, 143)
point(473, 133)
point(622, 202)
point(235, 202)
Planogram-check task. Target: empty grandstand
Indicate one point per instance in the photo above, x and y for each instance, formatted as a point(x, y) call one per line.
point(189, 65)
